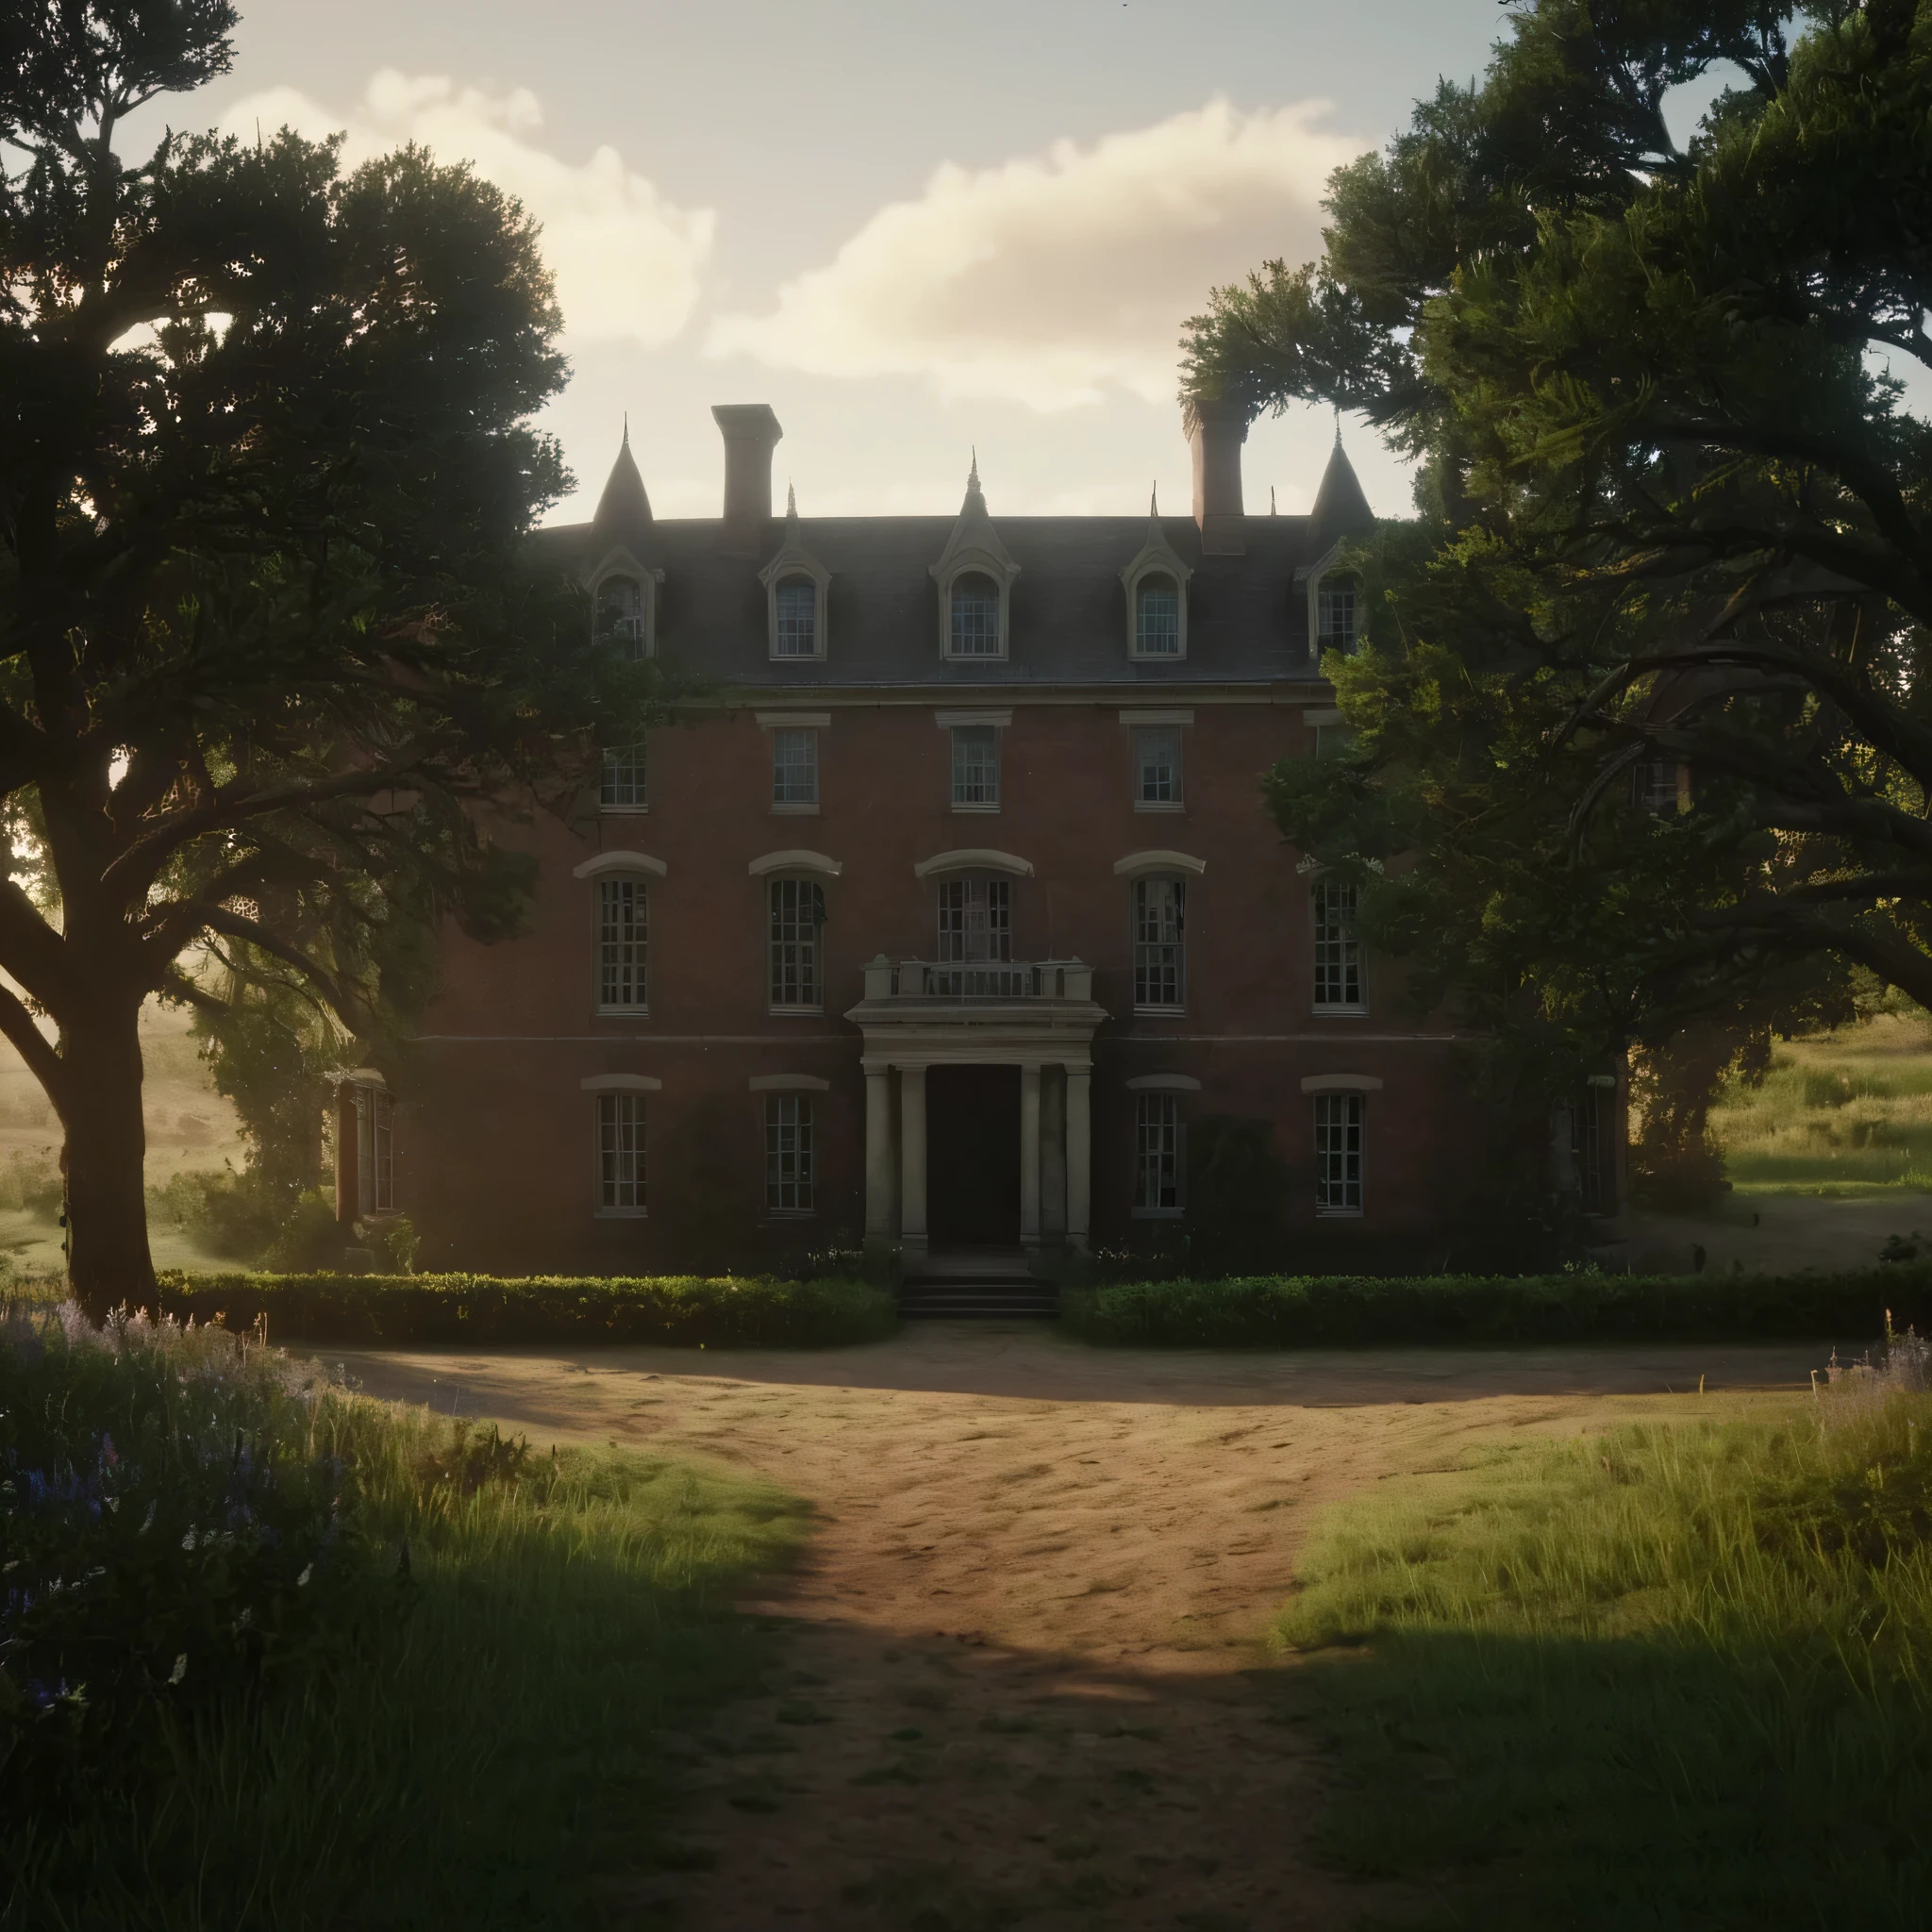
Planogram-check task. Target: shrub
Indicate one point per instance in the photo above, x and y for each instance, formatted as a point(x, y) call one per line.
point(1359, 1310)
point(31, 1183)
point(752, 1311)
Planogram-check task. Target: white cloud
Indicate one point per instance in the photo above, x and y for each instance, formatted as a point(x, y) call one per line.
point(628, 264)
point(1051, 281)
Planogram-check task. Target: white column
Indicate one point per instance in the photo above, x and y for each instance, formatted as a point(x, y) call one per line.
point(1029, 1157)
point(912, 1162)
point(1079, 1156)
point(1053, 1157)
point(879, 1155)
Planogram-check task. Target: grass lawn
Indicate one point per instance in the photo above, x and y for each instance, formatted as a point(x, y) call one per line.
point(1676, 1677)
point(444, 1719)
point(1847, 1113)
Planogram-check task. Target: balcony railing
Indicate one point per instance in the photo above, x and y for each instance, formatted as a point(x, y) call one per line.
point(926, 980)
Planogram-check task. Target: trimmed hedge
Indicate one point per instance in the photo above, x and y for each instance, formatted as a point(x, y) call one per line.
point(1362, 1310)
point(750, 1311)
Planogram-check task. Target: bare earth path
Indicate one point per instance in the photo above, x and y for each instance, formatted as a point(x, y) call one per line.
point(1024, 1679)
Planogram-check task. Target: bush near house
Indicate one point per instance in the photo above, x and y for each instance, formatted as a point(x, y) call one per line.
point(1359, 1310)
point(275, 1655)
point(750, 1311)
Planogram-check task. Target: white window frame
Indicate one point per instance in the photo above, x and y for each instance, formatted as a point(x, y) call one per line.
point(621, 1164)
point(1160, 1145)
point(1156, 578)
point(1334, 593)
point(610, 962)
point(975, 926)
point(1334, 952)
point(1144, 737)
point(1150, 967)
point(1156, 559)
point(375, 1161)
point(793, 736)
point(997, 645)
point(1341, 1170)
point(791, 1156)
point(793, 588)
point(805, 958)
point(641, 635)
point(994, 734)
point(625, 769)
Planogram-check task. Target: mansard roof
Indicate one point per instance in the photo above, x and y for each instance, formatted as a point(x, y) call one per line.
point(1247, 623)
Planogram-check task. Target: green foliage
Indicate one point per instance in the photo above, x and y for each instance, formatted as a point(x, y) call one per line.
point(1364, 1310)
point(270, 621)
point(749, 1311)
point(1675, 1677)
point(1238, 1194)
point(30, 1183)
point(451, 1721)
point(1643, 741)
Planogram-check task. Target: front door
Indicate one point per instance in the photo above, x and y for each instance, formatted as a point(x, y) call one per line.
point(972, 1156)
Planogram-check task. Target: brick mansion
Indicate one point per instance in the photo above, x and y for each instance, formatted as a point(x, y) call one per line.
point(940, 920)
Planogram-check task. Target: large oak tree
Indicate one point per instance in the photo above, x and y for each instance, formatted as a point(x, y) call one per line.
point(1643, 702)
point(266, 629)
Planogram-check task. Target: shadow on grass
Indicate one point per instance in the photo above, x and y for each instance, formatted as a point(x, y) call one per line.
point(1618, 1783)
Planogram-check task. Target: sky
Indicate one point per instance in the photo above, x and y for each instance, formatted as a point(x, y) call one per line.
point(917, 230)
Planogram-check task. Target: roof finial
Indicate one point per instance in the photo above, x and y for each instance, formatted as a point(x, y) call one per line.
point(790, 503)
point(1338, 426)
point(973, 474)
point(1154, 502)
point(625, 444)
point(1272, 511)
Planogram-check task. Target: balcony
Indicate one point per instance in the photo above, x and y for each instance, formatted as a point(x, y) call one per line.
point(954, 982)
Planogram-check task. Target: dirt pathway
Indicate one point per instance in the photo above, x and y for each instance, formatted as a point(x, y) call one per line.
point(1024, 1679)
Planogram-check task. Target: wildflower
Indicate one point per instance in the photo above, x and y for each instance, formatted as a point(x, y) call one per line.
point(188, 1540)
point(147, 1522)
point(307, 1571)
point(180, 1668)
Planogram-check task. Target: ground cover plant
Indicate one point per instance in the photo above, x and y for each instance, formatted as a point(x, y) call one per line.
point(1680, 1675)
point(1849, 1112)
point(713, 1312)
point(1359, 1310)
point(274, 1655)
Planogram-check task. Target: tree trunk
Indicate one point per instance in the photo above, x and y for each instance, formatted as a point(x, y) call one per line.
point(107, 1258)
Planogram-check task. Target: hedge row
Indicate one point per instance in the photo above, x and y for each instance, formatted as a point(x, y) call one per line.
point(1364, 1310)
point(752, 1311)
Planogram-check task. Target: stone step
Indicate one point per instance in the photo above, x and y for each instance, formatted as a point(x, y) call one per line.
point(979, 1301)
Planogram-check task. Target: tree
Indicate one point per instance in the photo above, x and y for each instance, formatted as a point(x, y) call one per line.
point(1644, 696)
point(267, 630)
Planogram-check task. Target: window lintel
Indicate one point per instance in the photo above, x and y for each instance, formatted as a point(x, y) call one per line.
point(788, 1083)
point(1341, 1083)
point(1139, 864)
point(606, 862)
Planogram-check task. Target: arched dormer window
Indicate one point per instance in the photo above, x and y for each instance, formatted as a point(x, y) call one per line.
point(973, 616)
point(974, 577)
point(624, 603)
point(1335, 614)
point(796, 584)
point(1156, 587)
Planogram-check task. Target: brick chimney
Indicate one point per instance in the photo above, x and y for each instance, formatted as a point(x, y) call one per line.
point(1216, 431)
point(750, 433)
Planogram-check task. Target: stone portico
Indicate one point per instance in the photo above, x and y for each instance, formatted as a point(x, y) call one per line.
point(1037, 1016)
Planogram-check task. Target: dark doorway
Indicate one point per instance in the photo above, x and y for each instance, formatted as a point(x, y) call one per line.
point(972, 1156)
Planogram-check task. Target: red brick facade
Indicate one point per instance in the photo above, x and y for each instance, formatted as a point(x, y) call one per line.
point(498, 1156)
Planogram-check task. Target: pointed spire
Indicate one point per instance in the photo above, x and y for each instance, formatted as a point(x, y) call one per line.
point(1272, 511)
point(1341, 504)
point(623, 508)
point(790, 503)
point(975, 496)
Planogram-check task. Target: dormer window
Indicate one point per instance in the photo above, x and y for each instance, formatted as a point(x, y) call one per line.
point(974, 579)
point(797, 619)
point(621, 613)
point(975, 626)
point(624, 603)
point(1156, 587)
point(1335, 615)
point(1158, 623)
point(796, 585)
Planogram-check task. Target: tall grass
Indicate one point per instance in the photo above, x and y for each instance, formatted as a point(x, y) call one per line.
point(1678, 1675)
point(1848, 1112)
point(459, 1731)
